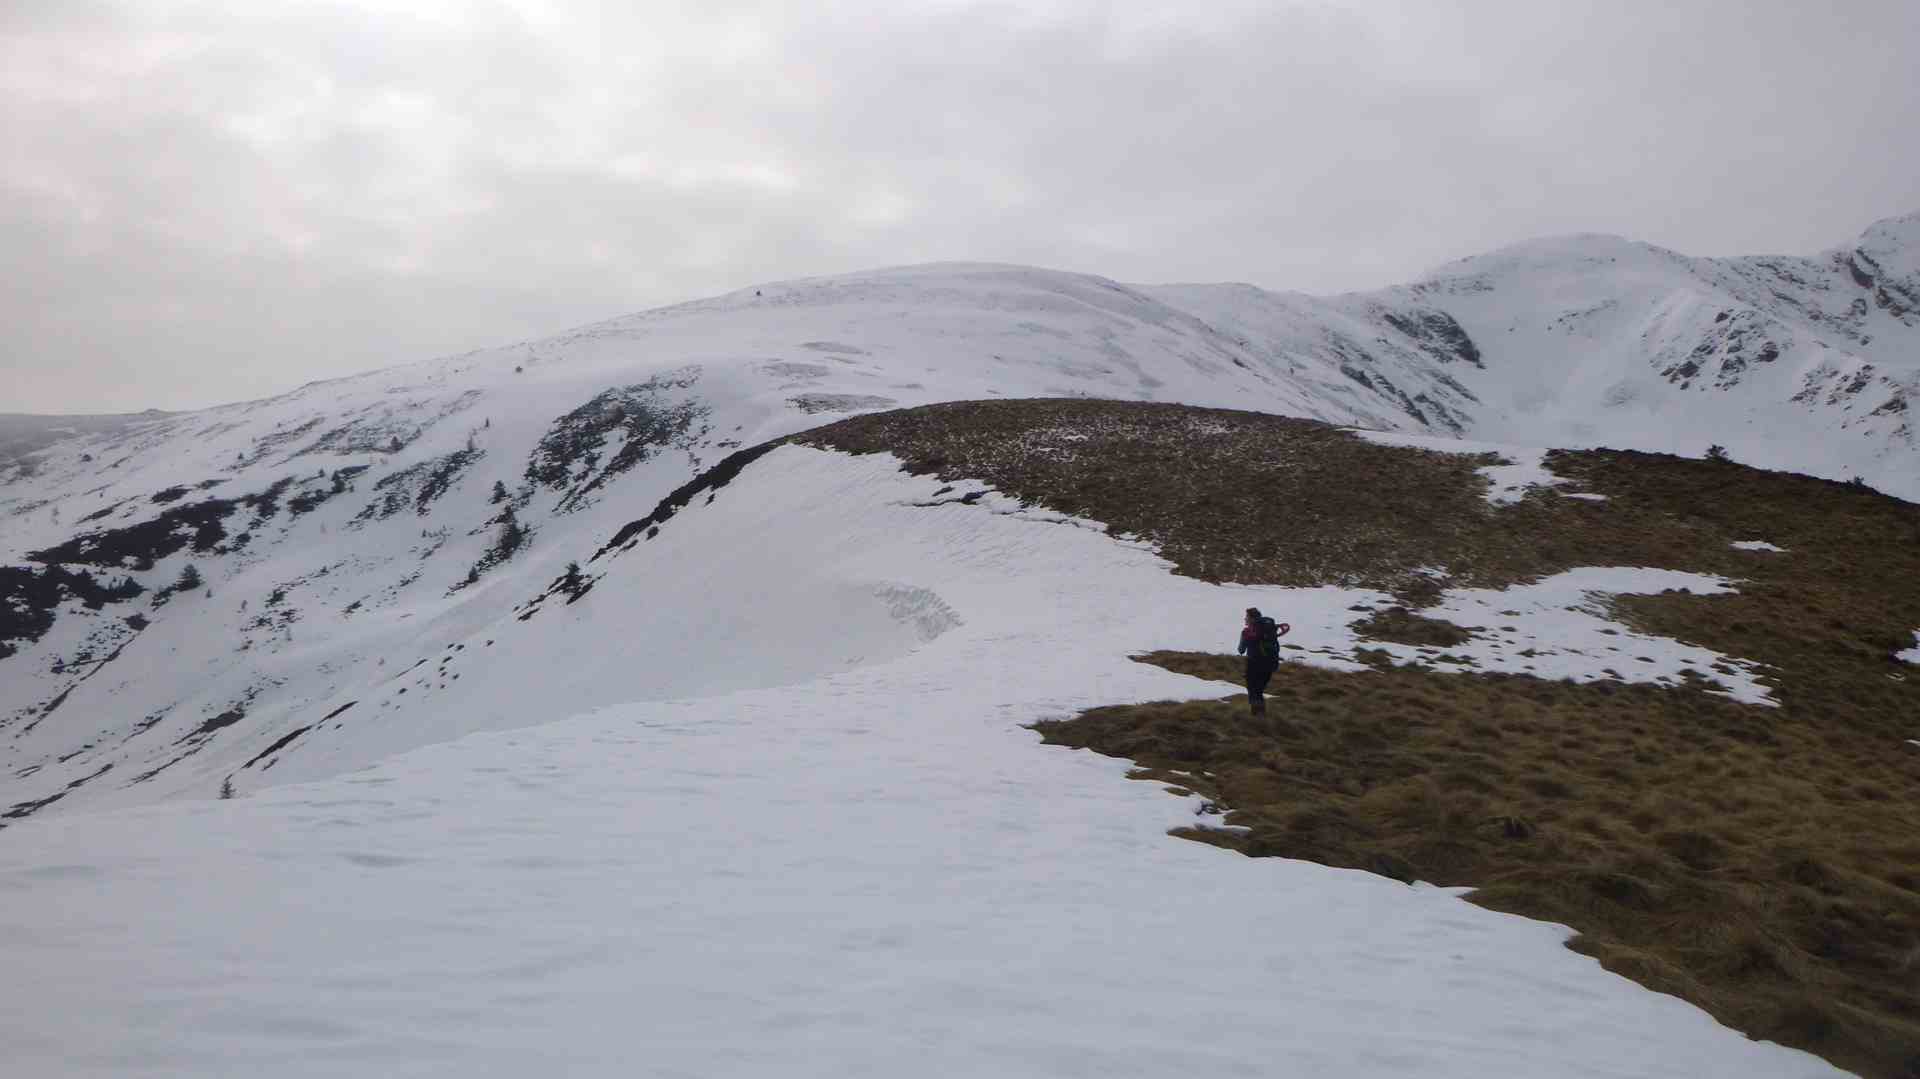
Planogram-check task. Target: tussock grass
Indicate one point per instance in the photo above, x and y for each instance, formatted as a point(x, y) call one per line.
point(1309, 503)
point(1761, 863)
point(1701, 847)
point(1408, 627)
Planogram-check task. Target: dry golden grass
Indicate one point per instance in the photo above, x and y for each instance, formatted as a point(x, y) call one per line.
point(1762, 863)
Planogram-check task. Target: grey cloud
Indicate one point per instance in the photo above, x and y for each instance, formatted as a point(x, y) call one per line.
point(208, 202)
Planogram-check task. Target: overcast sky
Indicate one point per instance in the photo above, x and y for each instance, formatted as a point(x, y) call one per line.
point(203, 202)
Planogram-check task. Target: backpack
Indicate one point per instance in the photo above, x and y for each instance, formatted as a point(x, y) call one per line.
point(1266, 640)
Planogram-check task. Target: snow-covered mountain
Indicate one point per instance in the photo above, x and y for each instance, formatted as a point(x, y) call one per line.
point(348, 538)
point(1804, 364)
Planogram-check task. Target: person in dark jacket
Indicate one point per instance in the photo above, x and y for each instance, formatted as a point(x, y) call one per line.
point(1260, 643)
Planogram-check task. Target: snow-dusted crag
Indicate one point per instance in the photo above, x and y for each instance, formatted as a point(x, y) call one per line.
point(344, 536)
point(1800, 364)
point(1805, 364)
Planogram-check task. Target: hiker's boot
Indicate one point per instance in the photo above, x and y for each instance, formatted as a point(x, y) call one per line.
point(1259, 705)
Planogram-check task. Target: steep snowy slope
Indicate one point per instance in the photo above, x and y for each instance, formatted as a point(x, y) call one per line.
point(1800, 364)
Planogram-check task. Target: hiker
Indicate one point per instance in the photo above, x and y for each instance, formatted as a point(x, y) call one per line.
point(1260, 643)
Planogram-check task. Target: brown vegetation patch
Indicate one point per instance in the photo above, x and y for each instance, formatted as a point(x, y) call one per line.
point(1402, 626)
point(1712, 850)
point(1239, 496)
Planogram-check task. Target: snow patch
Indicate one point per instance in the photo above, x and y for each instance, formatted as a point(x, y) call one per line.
point(1509, 483)
point(1525, 468)
point(1758, 545)
point(1911, 655)
point(1428, 442)
point(1559, 628)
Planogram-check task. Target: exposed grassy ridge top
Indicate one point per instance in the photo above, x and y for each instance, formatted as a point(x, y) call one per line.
point(1762, 863)
point(1227, 496)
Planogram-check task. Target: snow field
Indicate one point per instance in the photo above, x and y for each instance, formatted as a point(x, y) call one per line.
point(1508, 483)
point(870, 869)
point(1556, 628)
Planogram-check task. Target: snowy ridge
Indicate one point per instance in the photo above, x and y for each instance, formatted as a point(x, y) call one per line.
point(1800, 364)
point(349, 532)
point(857, 861)
point(350, 529)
